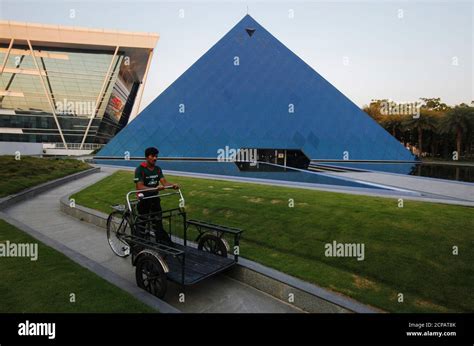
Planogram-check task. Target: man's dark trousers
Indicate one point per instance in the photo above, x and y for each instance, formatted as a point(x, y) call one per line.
point(147, 206)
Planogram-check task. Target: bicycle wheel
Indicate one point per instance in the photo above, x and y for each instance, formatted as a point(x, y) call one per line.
point(213, 244)
point(150, 275)
point(118, 225)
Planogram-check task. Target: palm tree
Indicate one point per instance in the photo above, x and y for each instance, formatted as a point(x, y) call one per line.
point(428, 120)
point(458, 121)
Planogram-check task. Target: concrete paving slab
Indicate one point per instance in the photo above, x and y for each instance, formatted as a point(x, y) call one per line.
point(221, 294)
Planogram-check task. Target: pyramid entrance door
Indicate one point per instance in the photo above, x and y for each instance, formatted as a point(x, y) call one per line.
point(275, 160)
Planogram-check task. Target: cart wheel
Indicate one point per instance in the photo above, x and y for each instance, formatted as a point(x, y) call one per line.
point(118, 225)
point(213, 244)
point(150, 275)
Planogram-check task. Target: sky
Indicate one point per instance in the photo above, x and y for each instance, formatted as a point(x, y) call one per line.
point(398, 50)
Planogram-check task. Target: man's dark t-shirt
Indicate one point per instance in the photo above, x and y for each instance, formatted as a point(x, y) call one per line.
point(151, 206)
point(150, 178)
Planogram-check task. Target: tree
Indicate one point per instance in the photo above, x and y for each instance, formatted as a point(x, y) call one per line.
point(373, 109)
point(458, 121)
point(393, 123)
point(434, 104)
point(379, 110)
point(428, 120)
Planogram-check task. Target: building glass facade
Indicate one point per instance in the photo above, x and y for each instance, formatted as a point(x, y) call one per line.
point(64, 92)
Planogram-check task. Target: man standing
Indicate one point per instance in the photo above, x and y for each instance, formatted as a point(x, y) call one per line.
point(148, 175)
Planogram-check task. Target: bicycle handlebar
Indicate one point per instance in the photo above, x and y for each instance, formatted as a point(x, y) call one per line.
point(178, 192)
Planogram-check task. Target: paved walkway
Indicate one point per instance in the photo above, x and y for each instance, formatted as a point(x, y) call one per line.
point(428, 186)
point(217, 294)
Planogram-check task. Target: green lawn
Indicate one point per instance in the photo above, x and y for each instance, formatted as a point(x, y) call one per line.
point(17, 175)
point(45, 285)
point(407, 250)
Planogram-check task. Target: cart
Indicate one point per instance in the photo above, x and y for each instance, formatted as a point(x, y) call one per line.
point(156, 261)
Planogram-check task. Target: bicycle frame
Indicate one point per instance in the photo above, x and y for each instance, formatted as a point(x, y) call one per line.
point(183, 264)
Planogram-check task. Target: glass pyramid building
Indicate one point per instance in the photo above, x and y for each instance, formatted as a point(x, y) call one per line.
point(250, 91)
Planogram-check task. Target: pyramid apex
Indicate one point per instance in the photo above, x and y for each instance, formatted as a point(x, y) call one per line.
point(248, 19)
point(249, 23)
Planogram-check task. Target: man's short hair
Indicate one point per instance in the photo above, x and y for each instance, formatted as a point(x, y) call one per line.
point(151, 151)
